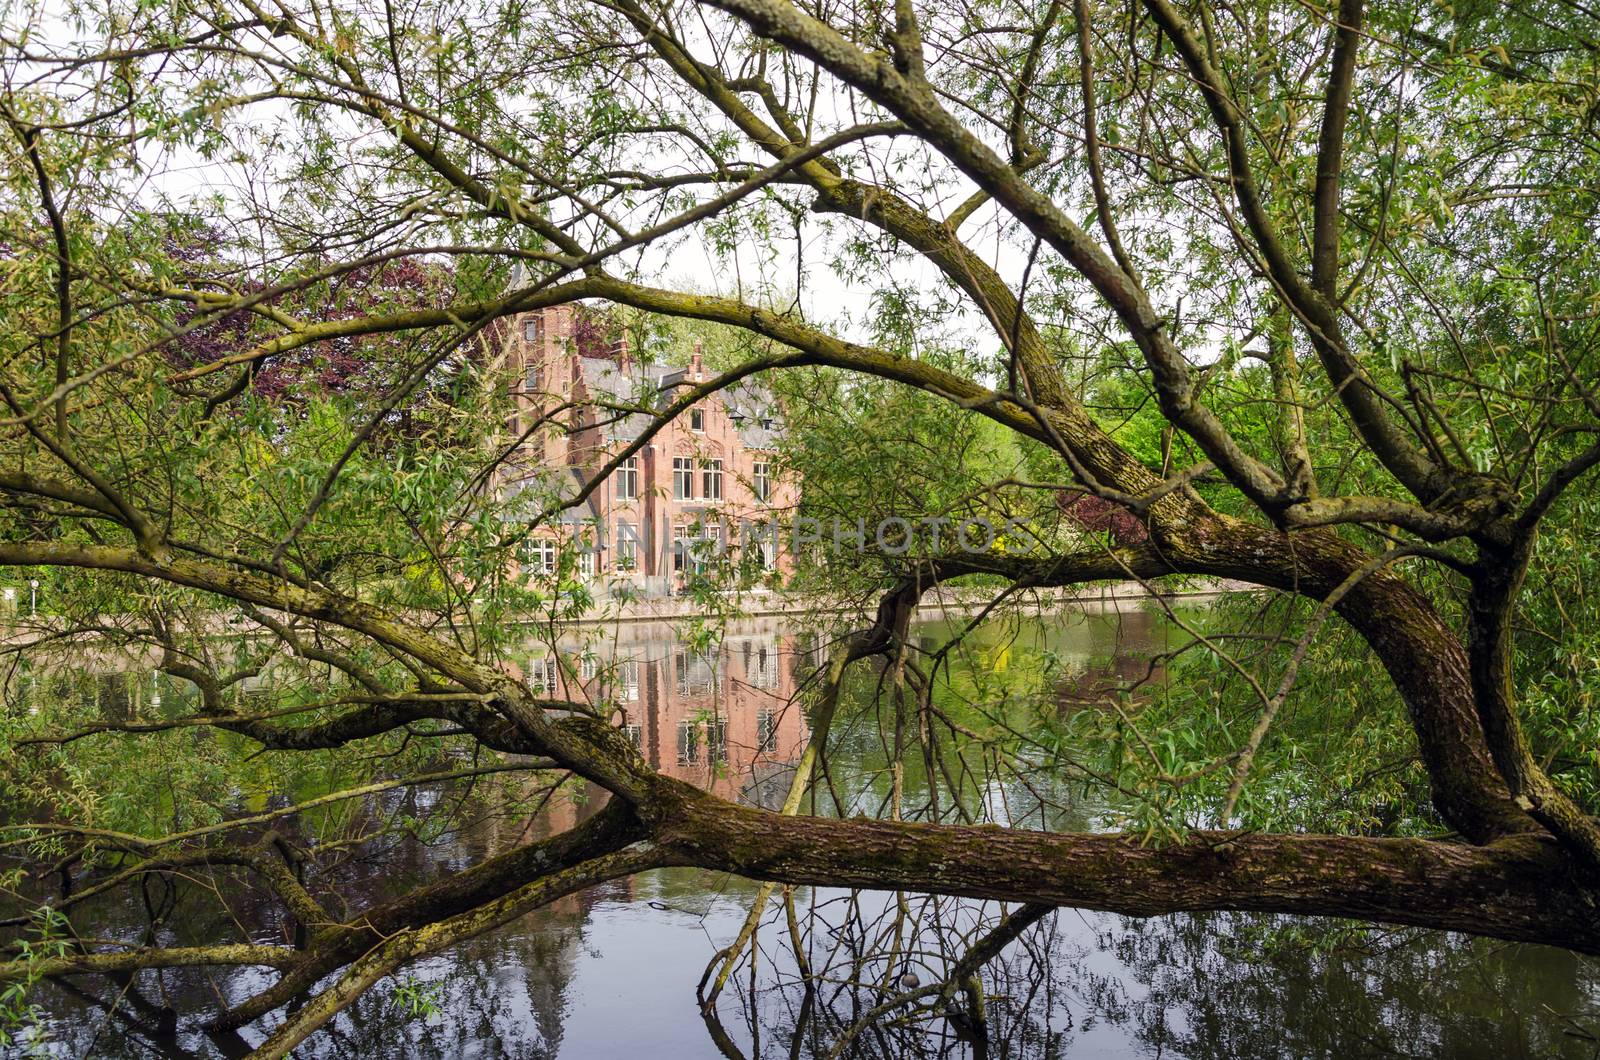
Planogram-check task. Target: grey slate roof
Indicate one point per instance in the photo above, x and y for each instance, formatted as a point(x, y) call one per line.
point(754, 412)
point(539, 483)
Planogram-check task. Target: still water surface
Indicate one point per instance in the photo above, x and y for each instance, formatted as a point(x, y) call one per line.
point(612, 972)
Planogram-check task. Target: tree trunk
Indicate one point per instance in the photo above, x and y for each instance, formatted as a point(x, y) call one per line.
point(1520, 888)
point(1495, 587)
point(1423, 657)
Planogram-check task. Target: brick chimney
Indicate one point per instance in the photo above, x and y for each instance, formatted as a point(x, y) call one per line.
point(696, 368)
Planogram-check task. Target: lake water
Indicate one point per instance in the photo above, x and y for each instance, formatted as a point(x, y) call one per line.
point(613, 972)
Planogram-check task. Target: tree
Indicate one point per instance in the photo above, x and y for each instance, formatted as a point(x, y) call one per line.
point(1386, 206)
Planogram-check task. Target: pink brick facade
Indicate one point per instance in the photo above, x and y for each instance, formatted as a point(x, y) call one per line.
point(722, 718)
point(705, 484)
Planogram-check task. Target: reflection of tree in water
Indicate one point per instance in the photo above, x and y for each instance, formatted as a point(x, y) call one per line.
point(892, 976)
point(1232, 986)
point(504, 995)
point(508, 991)
point(1193, 986)
point(1067, 985)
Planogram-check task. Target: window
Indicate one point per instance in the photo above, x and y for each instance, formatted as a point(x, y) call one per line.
point(682, 478)
point(717, 739)
point(587, 561)
point(761, 668)
point(534, 379)
point(632, 734)
point(713, 480)
point(758, 544)
point(766, 732)
point(688, 743)
point(692, 545)
point(542, 675)
point(628, 479)
point(588, 666)
point(697, 420)
point(694, 673)
point(628, 680)
point(542, 556)
point(533, 329)
point(627, 547)
point(682, 549)
point(761, 480)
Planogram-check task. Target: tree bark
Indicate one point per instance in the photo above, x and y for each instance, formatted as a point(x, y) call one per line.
point(1522, 888)
point(1496, 583)
point(1424, 658)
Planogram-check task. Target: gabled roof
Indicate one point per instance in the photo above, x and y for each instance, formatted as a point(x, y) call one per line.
point(755, 414)
point(611, 381)
point(749, 404)
point(546, 480)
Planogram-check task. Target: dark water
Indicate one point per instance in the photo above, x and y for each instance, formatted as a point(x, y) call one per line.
point(612, 972)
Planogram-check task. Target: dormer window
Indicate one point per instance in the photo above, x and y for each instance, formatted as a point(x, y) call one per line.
point(697, 420)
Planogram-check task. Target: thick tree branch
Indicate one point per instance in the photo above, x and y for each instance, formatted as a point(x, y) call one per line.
point(1519, 888)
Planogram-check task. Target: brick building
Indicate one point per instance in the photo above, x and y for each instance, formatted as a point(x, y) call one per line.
point(705, 486)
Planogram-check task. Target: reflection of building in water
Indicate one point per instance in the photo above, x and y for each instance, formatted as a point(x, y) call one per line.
point(1125, 654)
point(1093, 681)
point(719, 716)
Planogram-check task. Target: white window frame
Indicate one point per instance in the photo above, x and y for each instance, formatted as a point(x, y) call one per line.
point(682, 478)
point(694, 545)
point(628, 680)
point(694, 673)
point(717, 738)
point(682, 541)
point(711, 479)
point(542, 675)
point(627, 547)
point(628, 479)
point(688, 743)
point(541, 555)
point(761, 671)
